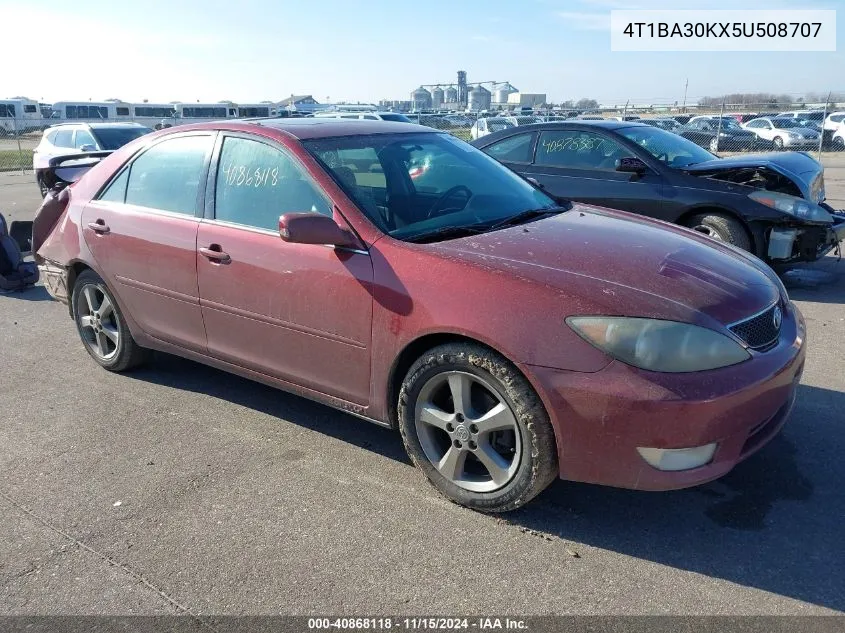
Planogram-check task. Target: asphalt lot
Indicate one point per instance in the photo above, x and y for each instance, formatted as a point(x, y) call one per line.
point(180, 488)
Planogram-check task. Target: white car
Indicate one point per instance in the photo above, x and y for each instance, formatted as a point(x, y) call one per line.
point(784, 132)
point(371, 116)
point(488, 125)
point(833, 121)
point(67, 139)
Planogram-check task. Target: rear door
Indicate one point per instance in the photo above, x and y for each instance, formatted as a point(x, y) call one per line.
point(142, 231)
point(581, 165)
point(298, 312)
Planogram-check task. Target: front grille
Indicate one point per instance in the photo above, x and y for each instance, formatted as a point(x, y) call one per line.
point(759, 332)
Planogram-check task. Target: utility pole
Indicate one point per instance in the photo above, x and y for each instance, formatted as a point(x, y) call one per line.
point(684, 106)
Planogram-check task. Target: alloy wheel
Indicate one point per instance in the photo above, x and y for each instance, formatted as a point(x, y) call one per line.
point(98, 322)
point(468, 431)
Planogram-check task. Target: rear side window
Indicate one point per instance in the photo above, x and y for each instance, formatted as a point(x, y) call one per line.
point(515, 149)
point(29, 109)
point(168, 175)
point(122, 111)
point(116, 191)
point(578, 150)
point(256, 183)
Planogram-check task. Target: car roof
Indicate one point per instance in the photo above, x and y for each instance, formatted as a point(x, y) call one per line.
point(571, 124)
point(97, 125)
point(326, 127)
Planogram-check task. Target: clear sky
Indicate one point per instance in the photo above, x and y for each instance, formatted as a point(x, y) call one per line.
point(251, 50)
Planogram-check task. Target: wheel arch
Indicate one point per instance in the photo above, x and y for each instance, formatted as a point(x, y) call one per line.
point(755, 238)
point(416, 348)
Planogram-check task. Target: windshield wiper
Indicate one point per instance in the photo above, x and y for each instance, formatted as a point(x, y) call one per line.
point(445, 233)
point(528, 214)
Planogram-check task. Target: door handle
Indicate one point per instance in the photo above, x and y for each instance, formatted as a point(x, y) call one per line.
point(99, 227)
point(215, 254)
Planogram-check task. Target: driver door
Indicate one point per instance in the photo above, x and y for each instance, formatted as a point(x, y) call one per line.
point(581, 166)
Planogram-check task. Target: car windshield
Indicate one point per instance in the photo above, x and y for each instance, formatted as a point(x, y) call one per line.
point(116, 137)
point(783, 124)
point(497, 125)
point(728, 123)
point(411, 185)
point(670, 149)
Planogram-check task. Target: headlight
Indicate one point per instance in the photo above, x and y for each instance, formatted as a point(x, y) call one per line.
point(798, 207)
point(657, 345)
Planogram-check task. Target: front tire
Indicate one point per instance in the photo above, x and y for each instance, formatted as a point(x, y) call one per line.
point(778, 143)
point(714, 145)
point(101, 325)
point(476, 428)
point(722, 228)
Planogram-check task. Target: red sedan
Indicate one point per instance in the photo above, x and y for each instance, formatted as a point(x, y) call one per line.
point(511, 337)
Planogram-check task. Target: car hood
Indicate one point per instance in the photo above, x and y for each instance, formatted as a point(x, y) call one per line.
point(804, 171)
point(621, 264)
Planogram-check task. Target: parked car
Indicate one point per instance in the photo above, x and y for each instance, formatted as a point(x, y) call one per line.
point(726, 135)
point(369, 116)
point(837, 139)
point(300, 253)
point(817, 116)
point(683, 119)
point(769, 204)
point(743, 117)
point(784, 133)
point(668, 124)
point(488, 125)
point(75, 138)
point(833, 121)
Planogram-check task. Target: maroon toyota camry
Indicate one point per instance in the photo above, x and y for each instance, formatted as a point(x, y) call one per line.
point(398, 274)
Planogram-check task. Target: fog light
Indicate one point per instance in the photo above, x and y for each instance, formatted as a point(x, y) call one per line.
point(678, 458)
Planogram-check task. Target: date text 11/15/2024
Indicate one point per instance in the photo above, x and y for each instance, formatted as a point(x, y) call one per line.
point(417, 624)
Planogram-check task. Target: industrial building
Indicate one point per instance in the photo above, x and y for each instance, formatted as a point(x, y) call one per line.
point(461, 96)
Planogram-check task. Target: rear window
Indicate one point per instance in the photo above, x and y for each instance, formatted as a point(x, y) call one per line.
point(114, 138)
point(396, 117)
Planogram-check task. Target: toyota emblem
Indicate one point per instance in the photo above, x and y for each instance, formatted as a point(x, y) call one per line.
point(777, 317)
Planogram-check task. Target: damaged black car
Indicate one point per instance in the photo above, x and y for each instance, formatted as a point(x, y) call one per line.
point(771, 204)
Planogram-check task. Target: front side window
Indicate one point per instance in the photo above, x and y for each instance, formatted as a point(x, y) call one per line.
point(515, 149)
point(83, 137)
point(29, 109)
point(576, 149)
point(412, 184)
point(64, 138)
point(168, 176)
point(256, 183)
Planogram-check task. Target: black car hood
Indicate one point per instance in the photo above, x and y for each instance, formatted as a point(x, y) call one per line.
point(803, 170)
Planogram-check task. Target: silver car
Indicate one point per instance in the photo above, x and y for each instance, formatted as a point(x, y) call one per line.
point(784, 132)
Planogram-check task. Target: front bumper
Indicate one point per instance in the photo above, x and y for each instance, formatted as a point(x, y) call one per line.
point(602, 418)
point(805, 243)
point(809, 143)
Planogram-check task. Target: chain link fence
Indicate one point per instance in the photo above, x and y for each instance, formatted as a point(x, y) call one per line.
point(722, 128)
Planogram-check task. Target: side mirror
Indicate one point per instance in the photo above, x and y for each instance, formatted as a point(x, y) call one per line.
point(631, 165)
point(314, 228)
point(88, 148)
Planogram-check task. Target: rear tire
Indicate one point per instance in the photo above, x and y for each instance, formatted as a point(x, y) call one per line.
point(42, 187)
point(476, 428)
point(101, 325)
point(838, 143)
point(722, 228)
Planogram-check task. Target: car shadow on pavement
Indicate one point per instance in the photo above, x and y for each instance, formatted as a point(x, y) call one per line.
point(773, 523)
point(180, 373)
point(821, 282)
point(33, 293)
